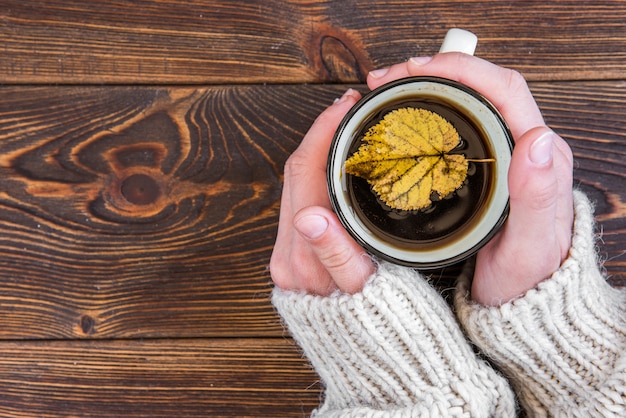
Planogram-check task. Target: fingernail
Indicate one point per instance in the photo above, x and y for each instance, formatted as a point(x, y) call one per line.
point(311, 226)
point(419, 61)
point(345, 96)
point(379, 73)
point(541, 150)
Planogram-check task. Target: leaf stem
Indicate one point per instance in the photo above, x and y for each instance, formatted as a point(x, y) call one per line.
point(481, 160)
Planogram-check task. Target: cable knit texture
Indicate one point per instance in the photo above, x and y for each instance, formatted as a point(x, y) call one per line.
point(395, 349)
point(562, 344)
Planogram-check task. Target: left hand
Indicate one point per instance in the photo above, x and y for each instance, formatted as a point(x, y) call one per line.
point(313, 252)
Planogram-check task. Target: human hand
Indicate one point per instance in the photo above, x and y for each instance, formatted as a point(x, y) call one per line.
point(537, 235)
point(313, 252)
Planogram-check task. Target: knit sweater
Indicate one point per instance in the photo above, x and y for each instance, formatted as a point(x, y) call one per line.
point(396, 349)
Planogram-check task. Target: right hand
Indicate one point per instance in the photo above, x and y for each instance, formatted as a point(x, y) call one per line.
point(537, 235)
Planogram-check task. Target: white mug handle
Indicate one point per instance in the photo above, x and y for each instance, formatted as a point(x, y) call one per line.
point(459, 40)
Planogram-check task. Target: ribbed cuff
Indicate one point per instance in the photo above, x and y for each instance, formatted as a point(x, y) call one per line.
point(395, 349)
point(562, 344)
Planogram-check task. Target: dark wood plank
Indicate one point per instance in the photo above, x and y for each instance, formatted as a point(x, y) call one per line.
point(275, 41)
point(592, 117)
point(157, 378)
point(151, 212)
point(137, 212)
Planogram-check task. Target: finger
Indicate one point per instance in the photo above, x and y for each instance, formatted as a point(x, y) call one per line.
point(347, 263)
point(305, 170)
point(564, 167)
point(293, 265)
point(381, 76)
point(533, 185)
point(506, 89)
point(296, 267)
point(540, 186)
point(316, 142)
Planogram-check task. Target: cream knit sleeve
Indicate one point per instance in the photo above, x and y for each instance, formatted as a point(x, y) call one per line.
point(563, 344)
point(393, 350)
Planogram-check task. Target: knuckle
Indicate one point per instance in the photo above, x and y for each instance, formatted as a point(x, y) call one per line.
point(299, 261)
point(565, 149)
point(323, 118)
point(545, 197)
point(283, 264)
point(296, 165)
point(514, 79)
point(288, 271)
point(337, 259)
point(321, 287)
point(299, 271)
point(277, 268)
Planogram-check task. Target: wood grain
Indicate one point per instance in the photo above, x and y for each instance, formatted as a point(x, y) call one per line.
point(151, 212)
point(591, 117)
point(275, 41)
point(158, 203)
point(142, 145)
point(156, 378)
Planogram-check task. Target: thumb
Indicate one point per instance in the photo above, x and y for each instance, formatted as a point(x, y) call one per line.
point(534, 186)
point(346, 261)
point(536, 193)
point(537, 234)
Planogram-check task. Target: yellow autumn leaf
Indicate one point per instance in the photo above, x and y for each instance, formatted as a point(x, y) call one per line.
point(406, 158)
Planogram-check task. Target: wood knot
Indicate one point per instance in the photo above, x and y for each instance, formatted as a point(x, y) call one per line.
point(339, 61)
point(336, 54)
point(87, 325)
point(140, 189)
point(136, 193)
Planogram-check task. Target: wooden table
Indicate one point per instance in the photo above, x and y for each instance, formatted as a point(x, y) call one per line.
point(141, 153)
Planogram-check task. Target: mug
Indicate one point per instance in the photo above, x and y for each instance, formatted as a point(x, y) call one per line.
point(453, 227)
